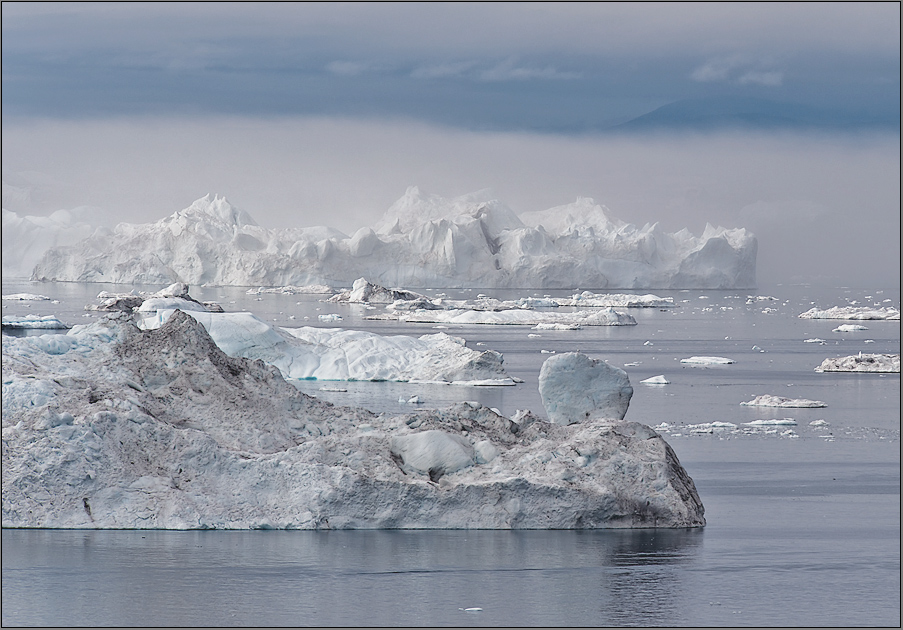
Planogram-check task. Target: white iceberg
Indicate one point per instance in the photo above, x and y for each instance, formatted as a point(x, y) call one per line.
point(707, 361)
point(335, 354)
point(162, 430)
point(852, 312)
point(656, 380)
point(861, 363)
point(364, 292)
point(422, 241)
point(767, 400)
point(27, 238)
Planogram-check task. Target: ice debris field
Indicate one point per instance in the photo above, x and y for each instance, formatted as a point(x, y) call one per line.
point(422, 240)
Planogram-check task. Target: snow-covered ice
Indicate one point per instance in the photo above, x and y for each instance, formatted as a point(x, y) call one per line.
point(707, 361)
point(656, 380)
point(772, 422)
point(292, 290)
point(767, 400)
point(852, 312)
point(576, 388)
point(849, 328)
point(861, 363)
point(26, 297)
point(160, 429)
point(335, 354)
point(422, 241)
point(599, 317)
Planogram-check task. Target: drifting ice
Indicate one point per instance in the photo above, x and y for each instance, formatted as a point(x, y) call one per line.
point(767, 400)
point(862, 363)
point(161, 429)
point(852, 312)
point(422, 241)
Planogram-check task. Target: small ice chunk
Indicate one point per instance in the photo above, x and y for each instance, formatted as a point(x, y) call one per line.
point(330, 317)
point(849, 328)
point(772, 422)
point(707, 361)
point(656, 380)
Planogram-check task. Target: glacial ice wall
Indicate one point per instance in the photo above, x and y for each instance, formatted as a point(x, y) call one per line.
point(422, 241)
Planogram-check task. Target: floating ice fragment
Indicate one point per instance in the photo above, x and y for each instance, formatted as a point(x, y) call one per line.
point(707, 361)
point(818, 423)
point(772, 422)
point(767, 400)
point(330, 317)
point(656, 380)
point(849, 328)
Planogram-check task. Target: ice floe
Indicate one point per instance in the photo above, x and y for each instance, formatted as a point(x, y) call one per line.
point(849, 328)
point(26, 297)
point(852, 312)
point(656, 380)
point(160, 429)
point(707, 361)
point(422, 241)
point(767, 400)
point(772, 422)
point(599, 317)
point(308, 289)
point(861, 363)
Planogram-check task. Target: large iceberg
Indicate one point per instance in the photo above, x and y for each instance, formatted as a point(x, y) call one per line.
point(27, 238)
point(422, 241)
point(123, 428)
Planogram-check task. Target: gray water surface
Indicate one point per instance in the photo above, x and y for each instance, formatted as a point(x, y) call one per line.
point(803, 528)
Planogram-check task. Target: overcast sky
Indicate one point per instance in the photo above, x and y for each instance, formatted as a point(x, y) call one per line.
point(306, 114)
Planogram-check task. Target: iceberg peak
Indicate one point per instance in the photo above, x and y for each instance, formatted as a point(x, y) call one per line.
point(217, 207)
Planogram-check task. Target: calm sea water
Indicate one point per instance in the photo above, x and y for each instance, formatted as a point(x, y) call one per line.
point(803, 529)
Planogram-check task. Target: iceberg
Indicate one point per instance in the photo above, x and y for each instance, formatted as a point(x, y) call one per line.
point(160, 429)
point(575, 388)
point(852, 312)
point(767, 400)
point(27, 238)
point(656, 380)
point(861, 363)
point(849, 328)
point(422, 241)
point(334, 354)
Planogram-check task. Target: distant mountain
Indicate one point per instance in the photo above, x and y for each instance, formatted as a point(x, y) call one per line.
point(703, 114)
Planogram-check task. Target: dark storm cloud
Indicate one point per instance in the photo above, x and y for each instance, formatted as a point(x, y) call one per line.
point(546, 67)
